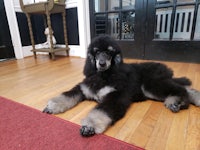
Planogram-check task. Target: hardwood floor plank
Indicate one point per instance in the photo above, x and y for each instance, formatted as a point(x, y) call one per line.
point(177, 134)
point(138, 111)
point(146, 127)
point(192, 141)
point(158, 138)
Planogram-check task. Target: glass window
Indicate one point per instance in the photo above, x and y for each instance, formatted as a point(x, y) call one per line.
point(183, 23)
point(162, 23)
point(113, 5)
point(185, 1)
point(128, 22)
point(114, 25)
point(160, 2)
point(128, 4)
point(100, 24)
point(100, 5)
point(115, 17)
point(197, 28)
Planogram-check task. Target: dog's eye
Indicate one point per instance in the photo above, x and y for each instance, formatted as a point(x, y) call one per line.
point(110, 48)
point(98, 52)
point(95, 49)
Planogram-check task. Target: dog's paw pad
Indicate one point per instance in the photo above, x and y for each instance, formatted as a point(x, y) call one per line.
point(87, 131)
point(174, 107)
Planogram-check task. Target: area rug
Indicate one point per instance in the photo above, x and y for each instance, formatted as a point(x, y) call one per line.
point(25, 128)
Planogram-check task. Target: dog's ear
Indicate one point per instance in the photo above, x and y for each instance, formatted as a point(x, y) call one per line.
point(90, 66)
point(118, 59)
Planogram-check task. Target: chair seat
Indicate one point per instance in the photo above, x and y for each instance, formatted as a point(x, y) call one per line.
point(42, 7)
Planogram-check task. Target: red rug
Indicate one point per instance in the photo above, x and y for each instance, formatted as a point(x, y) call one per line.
point(25, 128)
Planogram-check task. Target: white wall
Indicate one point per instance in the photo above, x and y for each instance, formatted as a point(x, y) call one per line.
point(13, 26)
point(13, 6)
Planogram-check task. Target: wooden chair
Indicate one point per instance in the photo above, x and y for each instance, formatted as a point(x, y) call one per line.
point(47, 8)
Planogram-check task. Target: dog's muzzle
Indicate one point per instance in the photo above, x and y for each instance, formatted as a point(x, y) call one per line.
point(103, 61)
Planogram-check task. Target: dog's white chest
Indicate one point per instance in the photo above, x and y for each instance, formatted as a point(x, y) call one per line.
point(99, 95)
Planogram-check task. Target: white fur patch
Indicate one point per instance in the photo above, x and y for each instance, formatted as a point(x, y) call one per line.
point(148, 94)
point(95, 49)
point(170, 100)
point(99, 95)
point(62, 103)
point(108, 63)
point(104, 91)
point(111, 48)
point(97, 119)
point(88, 93)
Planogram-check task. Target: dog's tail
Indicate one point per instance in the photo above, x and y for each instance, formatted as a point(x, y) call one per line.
point(182, 81)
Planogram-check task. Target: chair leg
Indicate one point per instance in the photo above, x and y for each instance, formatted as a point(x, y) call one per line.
point(50, 33)
point(52, 56)
point(31, 33)
point(65, 32)
point(34, 53)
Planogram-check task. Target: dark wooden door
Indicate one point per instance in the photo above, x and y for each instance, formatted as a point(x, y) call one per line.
point(172, 30)
point(6, 46)
point(150, 29)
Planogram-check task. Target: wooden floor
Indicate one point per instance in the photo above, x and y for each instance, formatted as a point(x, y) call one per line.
point(147, 124)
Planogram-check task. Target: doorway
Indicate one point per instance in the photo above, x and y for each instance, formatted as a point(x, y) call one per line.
point(6, 46)
point(150, 29)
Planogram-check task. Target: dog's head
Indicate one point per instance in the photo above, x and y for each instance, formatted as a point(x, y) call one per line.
point(103, 53)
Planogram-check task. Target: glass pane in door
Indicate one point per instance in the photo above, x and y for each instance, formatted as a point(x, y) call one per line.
point(163, 23)
point(162, 2)
point(99, 5)
point(115, 17)
point(100, 24)
point(183, 23)
point(113, 5)
point(185, 1)
point(197, 28)
point(128, 4)
point(128, 24)
point(114, 25)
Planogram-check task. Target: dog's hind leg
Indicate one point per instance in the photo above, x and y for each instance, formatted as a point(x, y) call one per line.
point(113, 108)
point(64, 101)
point(174, 95)
point(194, 96)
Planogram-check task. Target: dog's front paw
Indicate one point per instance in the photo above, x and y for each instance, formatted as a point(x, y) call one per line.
point(56, 105)
point(87, 131)
point(96, 122)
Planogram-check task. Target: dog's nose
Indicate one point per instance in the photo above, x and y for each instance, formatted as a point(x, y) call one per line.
point(102, 63)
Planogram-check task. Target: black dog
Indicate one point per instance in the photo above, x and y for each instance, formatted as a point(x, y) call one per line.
point(115, 85)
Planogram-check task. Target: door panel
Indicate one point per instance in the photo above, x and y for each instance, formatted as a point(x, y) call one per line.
point(172, 31)
point(122, 20)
